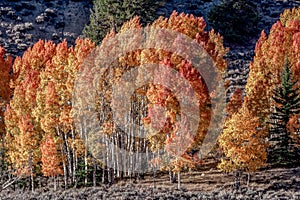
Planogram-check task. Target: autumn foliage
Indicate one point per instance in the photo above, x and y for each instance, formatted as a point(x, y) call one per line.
point(244, 136)
point(162, 112)
point(242, 143)
point(270, 54)
point(50, 131)
point(6, 63)
point(50, 159)
point(38, 118)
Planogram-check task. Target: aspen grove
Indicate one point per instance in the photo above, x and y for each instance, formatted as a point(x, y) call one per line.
point(44, 135)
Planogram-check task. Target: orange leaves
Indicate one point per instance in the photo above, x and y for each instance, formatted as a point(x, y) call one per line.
point(175, 79)
point(5, 91)
point(26, 126)
point(41, 103)
point(265, 71)
point(22, 152)
point(5, 70)
point(82, 49)
point(242, 142)
point(133, 23)
point(184, 23)
point(51, 96)
point(37, 56)
point(235, 102)
point(293, 127)
point(270, 54)
point(50, 160)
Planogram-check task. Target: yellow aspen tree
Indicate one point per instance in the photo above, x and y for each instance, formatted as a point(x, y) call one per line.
point(242, 143)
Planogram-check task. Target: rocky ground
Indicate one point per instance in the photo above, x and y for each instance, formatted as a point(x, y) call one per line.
point(24, 22)
point(276, 183)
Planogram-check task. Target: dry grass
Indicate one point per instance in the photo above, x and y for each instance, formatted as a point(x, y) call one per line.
point(276, 183)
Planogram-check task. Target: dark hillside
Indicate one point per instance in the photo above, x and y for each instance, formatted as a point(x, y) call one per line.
point(25, 22)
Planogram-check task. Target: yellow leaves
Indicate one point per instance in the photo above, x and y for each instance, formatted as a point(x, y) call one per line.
point(265, 74)
point(133, 23)
point(241, 141)
point(290, 14)
point(42, 98)
point(162, 123)
point(272, 51)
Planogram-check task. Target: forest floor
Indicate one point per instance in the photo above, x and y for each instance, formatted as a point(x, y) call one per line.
point(277, 183)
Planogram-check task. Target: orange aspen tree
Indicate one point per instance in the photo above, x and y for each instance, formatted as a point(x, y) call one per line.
point(54, 101)
point(26, 136)
point(5, 94)
point(270, 54)
point(51, 163)
point(78, 143)
point(42, 93)
point(243, 140)
point(27, 155)
point(24, 133)
point(48, 109)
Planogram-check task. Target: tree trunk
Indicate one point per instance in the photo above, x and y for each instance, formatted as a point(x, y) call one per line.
point(178, 181)
point(171, 176)
point(63, 155)
point(54, 182)
point(154, 176)
point(69, 167)
point(2, 156)
point(103, 175)
point(74, 159)
point(85, 167)
point(94, 173)
point(248, 179)
point(32, 180)
point(65, 174)
point(237, 176)
point(85, 151)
